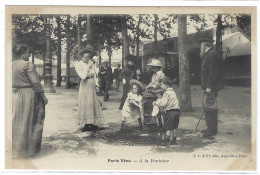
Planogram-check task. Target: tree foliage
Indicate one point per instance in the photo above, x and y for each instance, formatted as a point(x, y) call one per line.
point(29, 30)
point(244, 22)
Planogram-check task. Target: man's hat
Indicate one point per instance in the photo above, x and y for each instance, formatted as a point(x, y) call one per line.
point(155, 62)
point(88, 49)
point(209, 40)
point(138, 83)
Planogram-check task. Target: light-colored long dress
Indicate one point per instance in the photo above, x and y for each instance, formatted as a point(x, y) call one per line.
point(27, 109)
point(89, 109)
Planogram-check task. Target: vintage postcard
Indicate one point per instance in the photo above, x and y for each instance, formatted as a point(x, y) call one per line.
point(130, 88)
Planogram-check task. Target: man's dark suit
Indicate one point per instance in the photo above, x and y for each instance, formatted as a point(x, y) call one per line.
point(117, 77)
point(210, 73)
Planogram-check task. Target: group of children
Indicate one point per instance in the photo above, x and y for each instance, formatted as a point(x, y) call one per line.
point(165, 108)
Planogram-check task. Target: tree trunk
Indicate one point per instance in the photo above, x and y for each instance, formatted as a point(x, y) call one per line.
point(218, 37)
point(219, 49)
point(58, 84)
point(125, 39)
point(99, 59)
point(68, 53)
point(79, 35)
point(123, 56)
point(139, 63)
point(33, 55)
point(43, 66)
point(184, 76)
point(89, 31)
point(109, 53)
point(155, 36)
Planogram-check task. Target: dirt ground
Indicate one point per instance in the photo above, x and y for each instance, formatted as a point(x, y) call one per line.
point(64, 146)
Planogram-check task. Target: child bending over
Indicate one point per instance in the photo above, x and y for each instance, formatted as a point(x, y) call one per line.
point(133, 106)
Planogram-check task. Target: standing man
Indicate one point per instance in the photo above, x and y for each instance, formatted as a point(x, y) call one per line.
point(117, 77)
point(127, 74)
point(210, 74)
point(106, 78)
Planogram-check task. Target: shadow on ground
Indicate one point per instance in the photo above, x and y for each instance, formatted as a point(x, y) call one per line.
point(83, 143)
point(187, 140)
point(77, 142)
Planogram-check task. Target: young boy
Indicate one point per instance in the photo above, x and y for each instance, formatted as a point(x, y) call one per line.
point(170, 108)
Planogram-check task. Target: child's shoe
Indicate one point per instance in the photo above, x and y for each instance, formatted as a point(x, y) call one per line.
point(140, 124)
point(172, 141)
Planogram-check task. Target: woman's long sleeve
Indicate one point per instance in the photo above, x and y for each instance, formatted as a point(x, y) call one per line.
point(34, 77)
point(96, 78)
point(81, 70)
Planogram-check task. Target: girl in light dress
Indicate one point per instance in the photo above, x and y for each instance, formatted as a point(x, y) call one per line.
point(133, 106)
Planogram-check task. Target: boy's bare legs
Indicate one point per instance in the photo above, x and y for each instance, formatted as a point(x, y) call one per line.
point(168, 135)
point(173, 135)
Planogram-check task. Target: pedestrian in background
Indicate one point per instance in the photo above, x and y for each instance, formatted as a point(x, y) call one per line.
point(106, 79)
point(210, 82)
point(117, 76)
point(89, 109)
point(28, 105)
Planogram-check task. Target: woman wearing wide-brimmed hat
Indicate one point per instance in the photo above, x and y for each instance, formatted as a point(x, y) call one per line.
point(158, 75)
point(89, 110)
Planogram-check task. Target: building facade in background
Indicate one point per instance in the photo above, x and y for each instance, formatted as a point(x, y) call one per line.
point(236, 50)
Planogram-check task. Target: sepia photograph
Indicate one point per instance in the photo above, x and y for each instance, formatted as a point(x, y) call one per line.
point(130, 88)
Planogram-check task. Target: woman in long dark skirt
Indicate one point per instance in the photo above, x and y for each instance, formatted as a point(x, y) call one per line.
point(28, 106)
